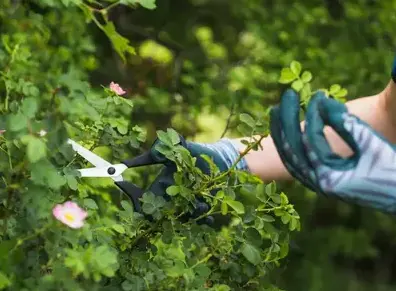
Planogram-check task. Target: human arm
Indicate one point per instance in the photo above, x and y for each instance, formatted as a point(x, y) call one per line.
point(375, 110)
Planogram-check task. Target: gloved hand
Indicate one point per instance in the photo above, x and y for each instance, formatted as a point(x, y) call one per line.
point(367, 178)
point(223, 153)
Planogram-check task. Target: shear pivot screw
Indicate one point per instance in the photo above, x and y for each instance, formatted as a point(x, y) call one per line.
point(111, 171)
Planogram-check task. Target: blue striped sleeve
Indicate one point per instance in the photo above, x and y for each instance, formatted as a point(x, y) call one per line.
point(227, 149)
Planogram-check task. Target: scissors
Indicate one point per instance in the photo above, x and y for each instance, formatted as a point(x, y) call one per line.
point(104, 169)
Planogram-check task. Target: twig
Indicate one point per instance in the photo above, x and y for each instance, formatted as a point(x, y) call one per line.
point(229, 119)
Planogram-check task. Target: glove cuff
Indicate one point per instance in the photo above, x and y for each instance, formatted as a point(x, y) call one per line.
point(227, 149)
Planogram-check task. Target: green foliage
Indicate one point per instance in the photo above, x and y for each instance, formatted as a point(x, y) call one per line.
point(116, 247)
point(201, 67)
point(300, 82)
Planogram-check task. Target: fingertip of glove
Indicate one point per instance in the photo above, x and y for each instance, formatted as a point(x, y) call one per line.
point(320, 94)
point(290, 94)
point(328, 106)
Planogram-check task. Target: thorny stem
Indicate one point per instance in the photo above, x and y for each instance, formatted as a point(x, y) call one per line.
point(225, 173)
point(229, 119)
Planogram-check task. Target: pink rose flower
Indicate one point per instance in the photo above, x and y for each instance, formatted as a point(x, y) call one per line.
point(70, 214)
point(116, 89)
point(2, 131)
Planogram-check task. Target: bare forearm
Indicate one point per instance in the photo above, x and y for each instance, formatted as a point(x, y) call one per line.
point(267, 164)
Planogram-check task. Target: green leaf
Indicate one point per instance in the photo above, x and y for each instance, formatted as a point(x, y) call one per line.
point(134, 283)
point(174, 136)
point(120, 43)
point(253, 236)
point(341, 93)
point(127, 101)
point(284, 199)
point(164, 137)
point(297, 85)
point(293, 224)
point(176, 270)
point(148, 4)
point(285, 218)
point(173, 190)
point(305, 92)
point(236, 205)
point(246, 118)
point(118, 228)
point(220, 194)
point(36, 149)
point(72, 182)
point(295, 68)
point(306, 76)
point(334, 89)
point(90, 204)
point(261, 192)
point(29, 107)
point(4, 281)
point(251, 253)
point(127, 206)
point(152, 203)
point(287, 76)
point(276, 198)
point(270, 189)
point(224, 208)
point(222, 287)
point(267, 218)
point(17, 122)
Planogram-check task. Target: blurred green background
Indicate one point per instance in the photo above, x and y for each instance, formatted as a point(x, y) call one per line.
point(200, 63)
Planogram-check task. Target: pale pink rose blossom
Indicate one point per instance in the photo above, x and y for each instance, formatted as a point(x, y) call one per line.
point(116, 89)
point(2, 131)
point(70, 214)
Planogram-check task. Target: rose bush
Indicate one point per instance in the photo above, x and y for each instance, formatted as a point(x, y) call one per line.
point(61, 232)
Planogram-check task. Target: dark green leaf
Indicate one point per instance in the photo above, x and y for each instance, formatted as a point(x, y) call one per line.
point(120, 43)
point(17, 122)
point(251, 253)
point(29, 107)
point(253, 237)
point(72, 182)
point(247, 119)
point(90, 204)
point(267, 218)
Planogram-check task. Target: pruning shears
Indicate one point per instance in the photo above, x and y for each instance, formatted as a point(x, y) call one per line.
point(104, 169)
